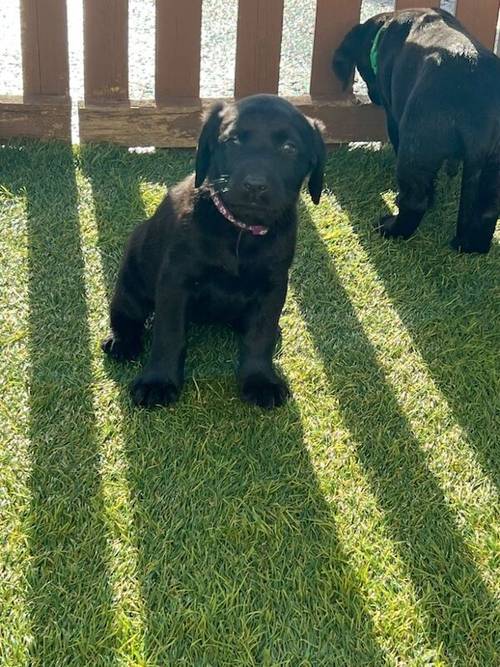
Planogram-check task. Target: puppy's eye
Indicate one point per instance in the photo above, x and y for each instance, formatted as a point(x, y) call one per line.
point(289, 148)
point(234, 140)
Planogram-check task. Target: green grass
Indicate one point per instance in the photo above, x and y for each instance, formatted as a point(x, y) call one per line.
point(357, 526)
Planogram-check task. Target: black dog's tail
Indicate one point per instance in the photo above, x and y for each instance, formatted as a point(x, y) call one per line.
point(479, 204)
point(344, 58)
point(355, 46)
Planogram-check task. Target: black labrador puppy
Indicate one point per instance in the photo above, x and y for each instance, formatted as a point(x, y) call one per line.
point(219, 247)
point(440, 89)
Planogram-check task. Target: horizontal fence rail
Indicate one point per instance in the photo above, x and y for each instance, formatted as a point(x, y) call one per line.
point(173, 117)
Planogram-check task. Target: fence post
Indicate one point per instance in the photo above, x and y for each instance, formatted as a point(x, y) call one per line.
point(105, 45)
point(258, 47)
point(178, 48)
point(44, 111)
point(415, 4)
point(44, 44)
point(333, 21)
point(480, 18)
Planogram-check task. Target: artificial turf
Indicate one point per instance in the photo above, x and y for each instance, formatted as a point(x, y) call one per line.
point(358, 525)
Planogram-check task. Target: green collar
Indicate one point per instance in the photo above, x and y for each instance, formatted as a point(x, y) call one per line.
point(374, 50)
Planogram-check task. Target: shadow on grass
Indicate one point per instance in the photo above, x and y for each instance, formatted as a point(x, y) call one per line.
point(239, 559)
point(448, 302)
point(459, 608)
point(69, 598)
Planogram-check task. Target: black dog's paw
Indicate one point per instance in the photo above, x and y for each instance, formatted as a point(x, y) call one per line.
point(264, 392)
point(388, 227)
point(121, 349)
point(463, 245)
point(149, 393)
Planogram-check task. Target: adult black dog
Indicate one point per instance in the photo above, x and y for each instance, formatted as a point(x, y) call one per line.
point(440, 89)
point(219, 248)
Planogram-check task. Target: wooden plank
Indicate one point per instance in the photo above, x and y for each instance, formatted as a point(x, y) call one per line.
point(345, 122)
point(47, 118)
point(178, 47)
point(258, 47)
point(105, 37)
point(480, 18)
point(143, 124)
point(44, 44)
point(333, 21)
point(415, 4)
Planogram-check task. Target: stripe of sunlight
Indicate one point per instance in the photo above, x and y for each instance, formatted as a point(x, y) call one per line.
point(389, 594)
point(450, 457)
point(129, 610)
point(15, 463)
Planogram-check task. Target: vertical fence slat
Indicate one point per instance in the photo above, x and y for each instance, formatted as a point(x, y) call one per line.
point(44, 41)
point(258, 47)
point(333, 21)
point(480, 18)
point(414, 4)
point(106, 51)
point(178, 48)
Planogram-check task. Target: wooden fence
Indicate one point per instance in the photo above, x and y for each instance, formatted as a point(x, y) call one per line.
point(173, 117)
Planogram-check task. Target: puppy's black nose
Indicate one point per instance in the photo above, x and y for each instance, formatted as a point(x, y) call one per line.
point(255, 185)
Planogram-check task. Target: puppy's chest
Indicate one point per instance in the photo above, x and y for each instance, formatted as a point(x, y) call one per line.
point(239, 266)
point(220, 295)
point(232, 277)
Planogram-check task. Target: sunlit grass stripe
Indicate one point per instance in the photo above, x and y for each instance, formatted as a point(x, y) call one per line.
point(467, 487)
point(387, 587)
point(129, 609)
point(14, 428)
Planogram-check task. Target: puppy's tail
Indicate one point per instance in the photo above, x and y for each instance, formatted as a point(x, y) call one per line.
point(479, 204)
point(344, 58)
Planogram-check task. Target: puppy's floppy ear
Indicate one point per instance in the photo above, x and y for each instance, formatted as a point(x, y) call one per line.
point(315, 184)
point(207, 141)
point(345, 57)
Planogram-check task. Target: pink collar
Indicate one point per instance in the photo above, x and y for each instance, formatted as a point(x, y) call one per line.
point(255, 230)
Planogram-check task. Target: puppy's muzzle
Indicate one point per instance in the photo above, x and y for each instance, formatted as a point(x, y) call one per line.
point(253, 191)
point(256, 187)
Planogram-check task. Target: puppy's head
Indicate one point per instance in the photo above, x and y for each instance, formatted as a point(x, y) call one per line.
point(257, 152)
point(354, 52)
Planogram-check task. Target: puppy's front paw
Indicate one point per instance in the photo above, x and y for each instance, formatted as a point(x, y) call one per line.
point(387, 226)
point(149, 393)
point(264, 392)
point(390, 227)
point(121, 349)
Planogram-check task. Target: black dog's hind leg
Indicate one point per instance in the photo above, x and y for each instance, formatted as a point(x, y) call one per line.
point(128, 312)
point(393, 131)
point(258, 381)
point(479, 207)
point(416, 194)
point(161, 381)
point(124, 343)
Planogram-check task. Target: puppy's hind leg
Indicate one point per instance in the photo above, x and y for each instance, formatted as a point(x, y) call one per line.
point(416, 191)
point(128, 313)
point(393, 132)
point(479, 207)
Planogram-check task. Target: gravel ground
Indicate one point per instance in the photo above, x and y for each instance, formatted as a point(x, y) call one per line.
point(218, 46)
